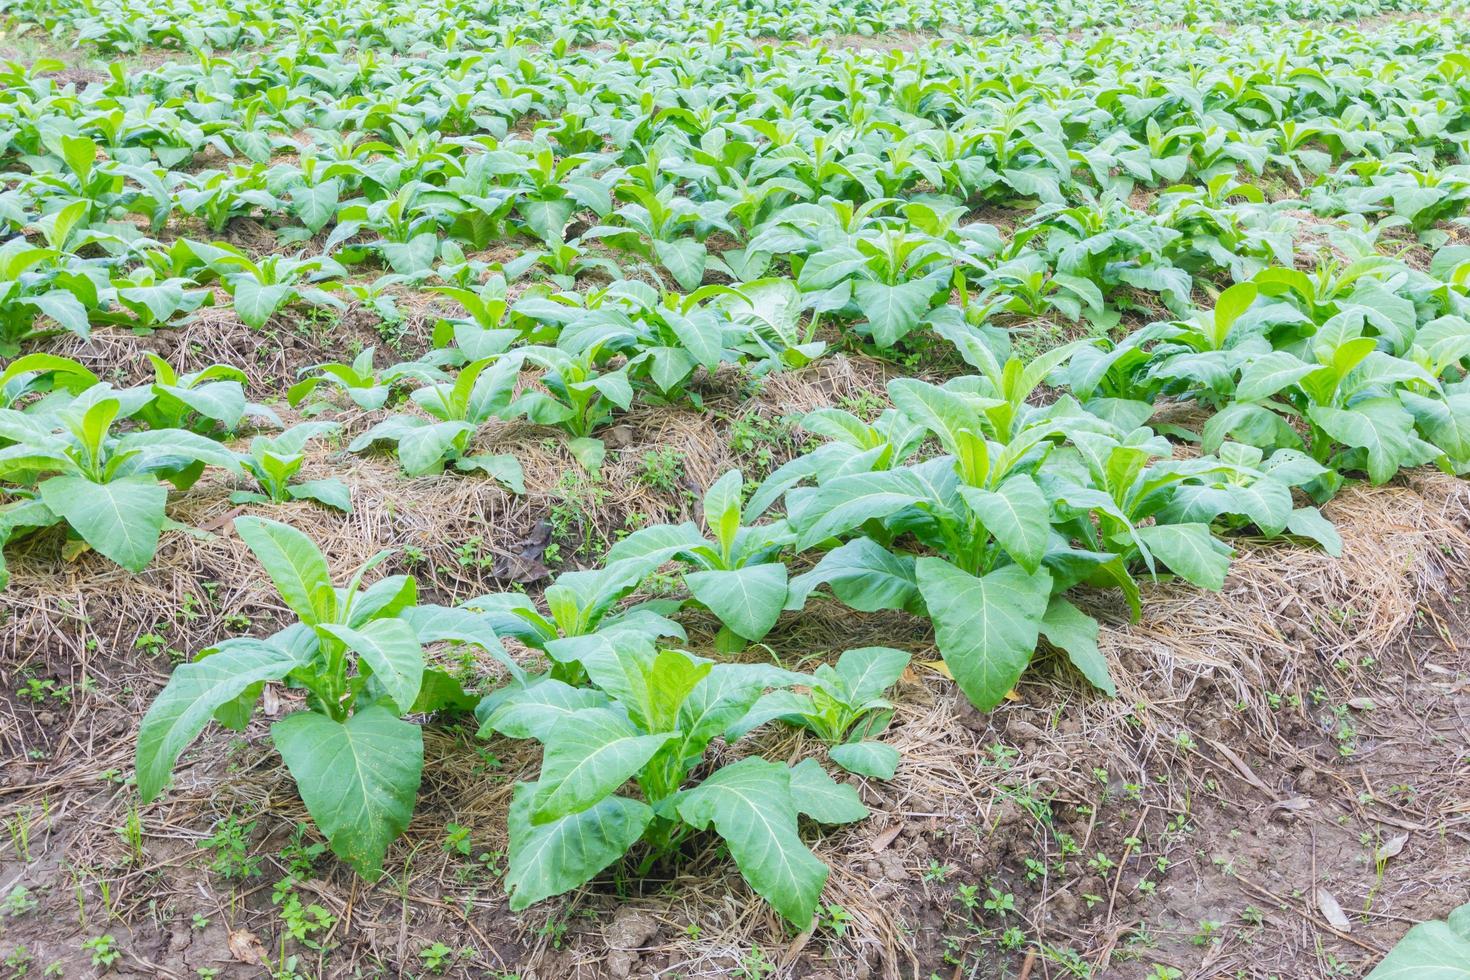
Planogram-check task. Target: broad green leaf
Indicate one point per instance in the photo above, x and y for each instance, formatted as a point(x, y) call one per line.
point(748, 600)
point(863, 574)
point(587, 451)
point(868, 672)
point(315, 206)
point(586, 759)
point(945, 412)
point(655, 545)
point(1308, 522)
point(548, 218)
point(223, 401)
point(1072, 631)
point(121, 519)
point(1269, 373)
point(819, 796)
point(1190, 551)
point(550, 858)
point(986, 626)
point(1018, 515)
point(1430, 951)
point(413, 256)
point(750, 805)
point(722, 510)
point(501, 467)
point(329, 492)
point(1228, 308)
point(193, 693)
point(847, 501)
point(536, 711)
point(424, 448)
point(392, 650)
point(893, 311)
point(723, 697)
point(295, 566)
point(685, 259)
point(442, 691)
point(358, 779)
point(256, 303)
point(65, 309)
point(875, 760)
point(1378, 425)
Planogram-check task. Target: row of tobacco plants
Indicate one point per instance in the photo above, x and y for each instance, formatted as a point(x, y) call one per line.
point(675, 209)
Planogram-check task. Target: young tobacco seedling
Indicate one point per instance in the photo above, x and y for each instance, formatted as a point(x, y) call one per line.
point(457, 408)
point(107, 487)
point(207, 402)
point(740, 577)
point(844, 706)
point(358, 653)
point(275, 460)
point(650, 717)
point(368, 390)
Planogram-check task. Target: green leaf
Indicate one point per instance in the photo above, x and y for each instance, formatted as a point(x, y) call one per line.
point(873, 759)
point(867, 672)
point(1430, 951)
point(947, 413)
point(121, 519)
point(1190, 551)
point(315, 206)
point(721, 699)
point(550, 858)
point(256, 303)
point(1229, 306)
point(330, 492)
point(1269, 373)
point(1018, 515)
point(748, 600)
point(536, 711)
point(750, 805)
point(847, 501)
point(423, 448)
point(986, 626)
point(80, 155)
point(358, 779)
point(588, 451)
point(1072, 631)
point(586, 759)
point(442, 691)
point(819, 796)
point(191, 697)
point(722, 510)
point(893, 311)
point(685, 259)
point(863, 574)
point(65, 309)
point(392, 650)
point(222, 401)
point(295, 566)
point(501, 467)
point(1378, 425)
point(1308, 522)
point(548, 218)
point(413, 256)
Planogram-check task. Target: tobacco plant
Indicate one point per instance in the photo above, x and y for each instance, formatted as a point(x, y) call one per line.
point(357, 652)
point(649, 717)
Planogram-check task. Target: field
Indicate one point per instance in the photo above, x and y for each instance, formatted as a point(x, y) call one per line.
point(923, 488)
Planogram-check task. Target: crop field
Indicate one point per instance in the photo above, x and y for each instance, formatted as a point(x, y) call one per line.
point(834, 489)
